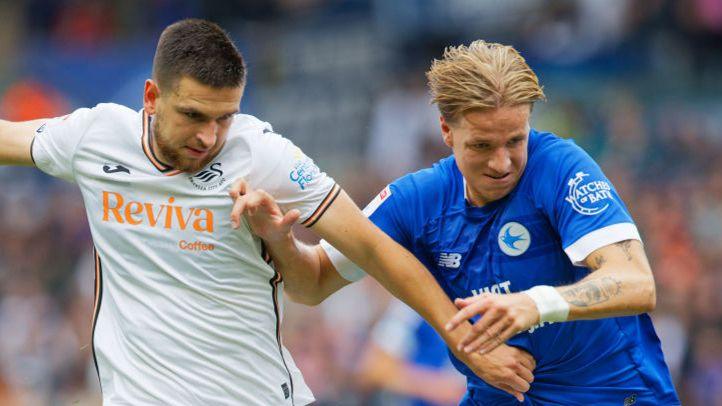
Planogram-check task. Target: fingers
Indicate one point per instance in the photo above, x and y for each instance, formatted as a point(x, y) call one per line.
point(461, 303)
point(246, 203)
point(486, 334)
point(238, 188)
point(239, 206)
point(526, 359)
point(526, 374)
point(478, 307)
point(518, 384)
point(291, 218)
point(508, 332)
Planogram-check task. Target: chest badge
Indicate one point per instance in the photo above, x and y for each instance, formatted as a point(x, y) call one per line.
point(514, 239)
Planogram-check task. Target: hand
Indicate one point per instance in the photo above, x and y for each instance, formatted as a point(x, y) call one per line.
point(506, 368)
point(262, 212)
point(503, 316)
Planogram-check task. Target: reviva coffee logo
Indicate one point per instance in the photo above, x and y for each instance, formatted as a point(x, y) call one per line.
point(167, 216)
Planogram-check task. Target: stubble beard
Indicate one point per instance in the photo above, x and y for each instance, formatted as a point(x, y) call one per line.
point(172, 153)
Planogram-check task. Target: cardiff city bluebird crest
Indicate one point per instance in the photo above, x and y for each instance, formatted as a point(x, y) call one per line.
point(514, 239)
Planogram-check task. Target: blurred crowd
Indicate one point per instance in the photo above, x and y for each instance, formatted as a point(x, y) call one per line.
point(636, 84)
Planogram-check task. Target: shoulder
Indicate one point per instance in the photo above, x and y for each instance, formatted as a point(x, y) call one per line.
point(430, 187)
point(110, 113)
point(546, 148)
point(550, 153)
point(248, 126)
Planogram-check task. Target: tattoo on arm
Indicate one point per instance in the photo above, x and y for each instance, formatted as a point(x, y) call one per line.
point(626, 246)
point(593, 292)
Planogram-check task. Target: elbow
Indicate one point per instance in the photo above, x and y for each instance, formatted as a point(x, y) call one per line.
point(649, 302)
point(652, 301)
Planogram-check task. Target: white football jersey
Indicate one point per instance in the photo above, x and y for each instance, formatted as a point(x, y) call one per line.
point(187, 309)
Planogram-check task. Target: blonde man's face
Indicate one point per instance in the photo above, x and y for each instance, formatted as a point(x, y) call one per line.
point(490, 149)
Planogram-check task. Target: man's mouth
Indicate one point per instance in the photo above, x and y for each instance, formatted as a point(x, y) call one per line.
point(500, 177)
point(196, 153)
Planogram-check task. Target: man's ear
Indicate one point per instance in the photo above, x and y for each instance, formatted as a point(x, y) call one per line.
point(151, 93)
point(446, 132)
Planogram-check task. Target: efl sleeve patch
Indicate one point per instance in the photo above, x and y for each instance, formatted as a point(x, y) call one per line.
point(377, 201)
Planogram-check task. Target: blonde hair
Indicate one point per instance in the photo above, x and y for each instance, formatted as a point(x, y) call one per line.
point(481, 76)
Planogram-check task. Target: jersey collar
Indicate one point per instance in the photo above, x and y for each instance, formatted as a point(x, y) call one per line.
point(147, 145)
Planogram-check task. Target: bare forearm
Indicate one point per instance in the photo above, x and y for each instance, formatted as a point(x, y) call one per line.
point(15, 140)
point(620, 284)
point(345, 227)
point(300, 267)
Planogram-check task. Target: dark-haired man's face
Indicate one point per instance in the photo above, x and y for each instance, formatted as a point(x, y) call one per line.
point(190, 121)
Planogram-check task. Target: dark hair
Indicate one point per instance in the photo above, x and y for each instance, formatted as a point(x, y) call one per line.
point(200, 50)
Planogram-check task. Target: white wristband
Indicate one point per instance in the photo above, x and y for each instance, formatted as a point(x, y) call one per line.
point(551, 305)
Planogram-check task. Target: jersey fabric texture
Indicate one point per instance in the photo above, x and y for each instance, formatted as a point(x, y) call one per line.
point(562, 209)
point(187, 309)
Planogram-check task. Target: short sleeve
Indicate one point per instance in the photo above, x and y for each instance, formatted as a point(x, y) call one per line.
point(384, 211)
point(293, 179)
point(581, 203)
point(55, 143)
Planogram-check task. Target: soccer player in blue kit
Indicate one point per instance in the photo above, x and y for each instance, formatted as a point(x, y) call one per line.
point(523, 225)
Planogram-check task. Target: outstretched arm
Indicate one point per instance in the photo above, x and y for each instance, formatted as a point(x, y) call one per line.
point(620, 284)
point(15, 141)
point(307, 269)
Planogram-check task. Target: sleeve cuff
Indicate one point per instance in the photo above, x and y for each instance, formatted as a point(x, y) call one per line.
point(344, 266)
point(325, 204)
point(581, 248)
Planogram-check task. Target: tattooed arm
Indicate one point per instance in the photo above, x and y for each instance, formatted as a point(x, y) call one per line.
point(620, 284)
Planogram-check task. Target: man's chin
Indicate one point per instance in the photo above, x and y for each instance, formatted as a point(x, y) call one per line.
point(190, 165)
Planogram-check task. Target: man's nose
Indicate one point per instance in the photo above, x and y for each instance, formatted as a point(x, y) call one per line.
point(500, 161)
point(208, 134)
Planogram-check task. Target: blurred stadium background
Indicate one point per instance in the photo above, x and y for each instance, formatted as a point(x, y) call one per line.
point(636, 83)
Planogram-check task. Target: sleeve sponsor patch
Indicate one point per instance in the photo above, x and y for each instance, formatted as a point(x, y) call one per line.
point(303, 172)
point(588, 197)
point(377, 201)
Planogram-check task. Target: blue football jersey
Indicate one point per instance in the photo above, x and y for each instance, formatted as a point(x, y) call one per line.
point(562, 209)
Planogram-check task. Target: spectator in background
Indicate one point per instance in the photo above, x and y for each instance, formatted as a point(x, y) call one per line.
point(407, 358)
point(403, 119)
point(28, 99)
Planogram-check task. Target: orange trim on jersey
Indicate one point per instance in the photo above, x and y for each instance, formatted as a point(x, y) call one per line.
point(325, 204)
point(96, 306)
point(275, 281)
point(277, 278)
point(147, 145)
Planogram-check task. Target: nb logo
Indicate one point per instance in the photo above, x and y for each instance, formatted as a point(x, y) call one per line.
point(115, 169)
point(449, 260)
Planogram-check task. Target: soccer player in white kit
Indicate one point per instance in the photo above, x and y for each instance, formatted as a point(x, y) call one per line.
point(187, 308)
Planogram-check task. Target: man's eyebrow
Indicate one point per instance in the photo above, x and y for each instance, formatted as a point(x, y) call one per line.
point(187, 109)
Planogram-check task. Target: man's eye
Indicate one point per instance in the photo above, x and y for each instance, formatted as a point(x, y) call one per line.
point(192, 115)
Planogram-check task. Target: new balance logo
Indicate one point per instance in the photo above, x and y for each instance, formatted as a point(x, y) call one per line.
point(449, 260)
point(115, 169)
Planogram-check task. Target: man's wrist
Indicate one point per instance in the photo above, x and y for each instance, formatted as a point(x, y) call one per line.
point(549, 302)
